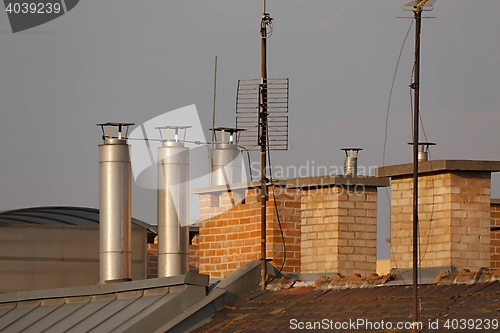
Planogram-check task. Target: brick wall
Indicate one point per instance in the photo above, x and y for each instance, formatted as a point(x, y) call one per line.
point(152, 261)
point(495, 234)
point(454, 219)
point(230, 225)
point(339, 230)
point(152, 258)
point(193, 257)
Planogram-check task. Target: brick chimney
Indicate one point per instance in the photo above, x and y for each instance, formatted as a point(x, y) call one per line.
point(454, 213)
point(229, 228)
point(339, 223)
point(495, 233)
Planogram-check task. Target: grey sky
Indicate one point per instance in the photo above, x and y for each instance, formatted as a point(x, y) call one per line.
point(122, 60)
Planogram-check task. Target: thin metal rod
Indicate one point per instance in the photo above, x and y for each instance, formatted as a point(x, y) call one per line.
point(263, 147)
point(213, 119)
point(416, 95)
point(215, 98)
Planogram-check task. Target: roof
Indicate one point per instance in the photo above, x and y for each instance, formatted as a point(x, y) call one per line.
point(181, 304)
point(356, 309)
point(60, 215)
point(136, 306)
point(173, 304)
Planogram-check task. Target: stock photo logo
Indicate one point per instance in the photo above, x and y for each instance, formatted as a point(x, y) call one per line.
point(185, 164)
point(25, 14)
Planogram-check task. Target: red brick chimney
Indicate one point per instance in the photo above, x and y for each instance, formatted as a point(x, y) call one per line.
point(230, 227)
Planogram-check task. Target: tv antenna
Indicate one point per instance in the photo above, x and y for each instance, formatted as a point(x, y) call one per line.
point(417, 7)
point(258, 103)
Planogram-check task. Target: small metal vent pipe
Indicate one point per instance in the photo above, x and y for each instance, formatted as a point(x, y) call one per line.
point(173, 203)
point(423, 152)
point(115, 209)
point(226, 158)
point(351, 161)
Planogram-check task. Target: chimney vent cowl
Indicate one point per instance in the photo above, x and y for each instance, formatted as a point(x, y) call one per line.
point(351, 161)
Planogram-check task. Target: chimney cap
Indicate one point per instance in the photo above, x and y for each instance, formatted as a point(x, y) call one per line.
point(231, 130)
point(352, 150)
point(424, 143)
point(115, 124)
point(119, 134)
point(176, 133)
point(172, 127)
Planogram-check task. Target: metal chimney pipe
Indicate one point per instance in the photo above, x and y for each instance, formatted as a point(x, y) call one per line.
point(423, 156)
point(115, 209)
point(173, 204)
point(351, 161)
point(226, 161)
point(423, 152)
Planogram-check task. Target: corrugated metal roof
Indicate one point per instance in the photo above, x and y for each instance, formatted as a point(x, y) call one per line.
point(60, 215)
point(118, 307)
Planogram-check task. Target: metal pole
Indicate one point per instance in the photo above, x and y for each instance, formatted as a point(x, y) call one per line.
point(215, 97)
point(213, 121)
point(263, 145)
point(416, 91)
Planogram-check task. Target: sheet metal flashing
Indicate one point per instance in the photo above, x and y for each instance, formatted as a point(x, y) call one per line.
point(438, 166)
point(135, 306)
point(238, 283)
point(189, 278)
point(427, 275)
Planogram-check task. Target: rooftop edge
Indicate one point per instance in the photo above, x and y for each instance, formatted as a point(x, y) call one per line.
point(438, 165)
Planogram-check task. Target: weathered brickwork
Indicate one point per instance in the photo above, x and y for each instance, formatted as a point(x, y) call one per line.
point(152, 258)
point(193, 258)
point(152, 261)
point(339, 230)
point(495, 234)
point(454, 219)
point(230, 224)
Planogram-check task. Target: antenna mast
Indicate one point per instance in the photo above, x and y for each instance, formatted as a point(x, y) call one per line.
point(266, 23)
point(212, 144)
point(416, 100)
point(261, 101)
point(417, 7)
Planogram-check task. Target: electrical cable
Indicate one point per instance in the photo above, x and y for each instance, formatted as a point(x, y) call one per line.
point(391, 91)
point(423, 253)
point(386, 132)
point(249, 162)
point(276, 211)
point(266, 21)
point(196, 142)
point(431, 218)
